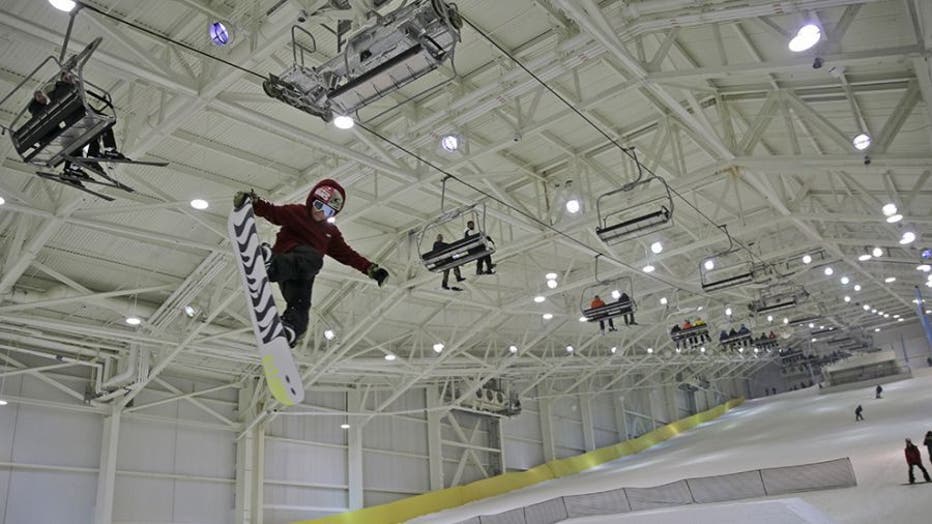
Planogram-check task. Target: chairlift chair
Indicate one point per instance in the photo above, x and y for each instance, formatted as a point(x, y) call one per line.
point(778, 298)
point(695, 336)
point(730, 269)
point(640, 219)
point(460, 251)
point(610, 291)
point(395, 50)
point(72, 120)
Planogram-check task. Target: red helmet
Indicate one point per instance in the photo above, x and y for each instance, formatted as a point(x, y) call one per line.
point(329, 192)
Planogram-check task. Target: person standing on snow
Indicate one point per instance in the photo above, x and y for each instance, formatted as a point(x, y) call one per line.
point(913, 458)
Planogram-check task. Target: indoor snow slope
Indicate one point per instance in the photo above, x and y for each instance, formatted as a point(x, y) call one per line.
point(791, 428)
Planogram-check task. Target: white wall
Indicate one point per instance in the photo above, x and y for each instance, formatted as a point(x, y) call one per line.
point(907, 341)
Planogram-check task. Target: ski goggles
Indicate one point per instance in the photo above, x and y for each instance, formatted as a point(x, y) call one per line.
point(327, 210)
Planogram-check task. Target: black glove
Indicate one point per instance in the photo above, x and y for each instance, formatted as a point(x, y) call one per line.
point(240, 197)
point(378, 274)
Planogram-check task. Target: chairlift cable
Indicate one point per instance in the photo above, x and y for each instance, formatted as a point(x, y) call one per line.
point(167, 39)
point(629, 151)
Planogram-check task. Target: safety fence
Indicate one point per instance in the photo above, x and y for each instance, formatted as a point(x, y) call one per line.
point(831, 474)
point(439, 500)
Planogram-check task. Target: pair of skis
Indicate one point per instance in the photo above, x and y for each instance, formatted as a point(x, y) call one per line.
point(92, 164)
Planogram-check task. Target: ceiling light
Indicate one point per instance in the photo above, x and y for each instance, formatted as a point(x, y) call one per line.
point(343, 122)
point(857, 287)
point(886, 315)
point(821, 327)
point(616, 294)
point(329, 334)
point(873, 310)
point(811, 325)
point(807, 36)
point(896, 316)
point(63, 5)
point(133, 321)
point(865, 257)
point(613, 350)
point(218, 34)
point(2, 201)
point(663, 301)
point(845, 280)
point(829, 271)
point(847, 298)
point(907, 238)
point(786, 320)
point(390, 356)
point(3, 402)
point(889, 209)
point(572, 206)
point(866, 307)
point(924, 267)
point(877, 252)
point(807, 259)
point(893, 219)
point(552, 284)
point(570, 349)
point(547, 316)
point(551, 276)
point(727, 311)
point(648, 268)
point(344, 426)
point(199, 203)
point(582, 319)
point(191, 311)
point(862, 142)
point(889, 280)
point(699, 308)
point(709, 264)
point(513, 349)
point(899, 320)
point(438, 347)
point(650, 350)
point(450, 143)
point(656, 248)
point(815, 340)
point(702, 349)
point(876, 330)
point(539, 298)
point(769, 318)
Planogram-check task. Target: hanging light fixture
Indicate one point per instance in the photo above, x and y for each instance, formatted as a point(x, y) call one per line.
point(807, 37)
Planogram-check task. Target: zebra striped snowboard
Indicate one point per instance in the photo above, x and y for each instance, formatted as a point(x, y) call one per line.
point(281, 372)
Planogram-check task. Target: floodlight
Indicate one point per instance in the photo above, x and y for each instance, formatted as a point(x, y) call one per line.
point(807, 259)
point(199, 204)
point(547, 316)
point(907, 238)
point(893, 219)
point(877, 252)
point(829, 271)
point(450, 143)
point(865, 257)
point(663, 301)
point(889, 280)
point(656, 248)
point(329, 334)
point(513, 349)
point(889, 209)
point(63, 5)
point(552, 284)
point(551, 276)
point(438, 347)
point(133, 321)
point(572, 206)
point(857, 287)
point(709, 264)
point(343, 122)
point(807, 37)
point(862, 142)
point(845, 280)
point(570, 349)
point(539, 298)
point(648, 268)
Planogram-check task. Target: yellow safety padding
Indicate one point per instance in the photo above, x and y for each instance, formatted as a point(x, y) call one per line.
point(434, 501)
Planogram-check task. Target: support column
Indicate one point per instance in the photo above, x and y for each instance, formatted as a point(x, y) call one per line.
point(106, 476)
point(250, 455)
point(434, 438)
point(546, 429)
point(621, 419)
point(656, 411)
point(354, 452)
point(669, 402)
point(588, 430)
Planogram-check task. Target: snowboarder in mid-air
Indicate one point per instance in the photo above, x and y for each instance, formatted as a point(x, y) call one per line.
point(300, 245)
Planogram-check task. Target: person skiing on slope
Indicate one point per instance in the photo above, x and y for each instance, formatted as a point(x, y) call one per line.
point(300, 245)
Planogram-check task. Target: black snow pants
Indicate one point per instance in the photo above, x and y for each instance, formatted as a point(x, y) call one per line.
point(295, 271)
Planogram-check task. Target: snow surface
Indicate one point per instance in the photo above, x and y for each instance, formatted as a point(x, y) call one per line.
point(792, 428)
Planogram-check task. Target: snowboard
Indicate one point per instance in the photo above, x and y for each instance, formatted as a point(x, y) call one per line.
point(281, 372)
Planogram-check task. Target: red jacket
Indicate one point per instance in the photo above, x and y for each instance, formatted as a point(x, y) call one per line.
point(912, 454)
point(298, 228)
